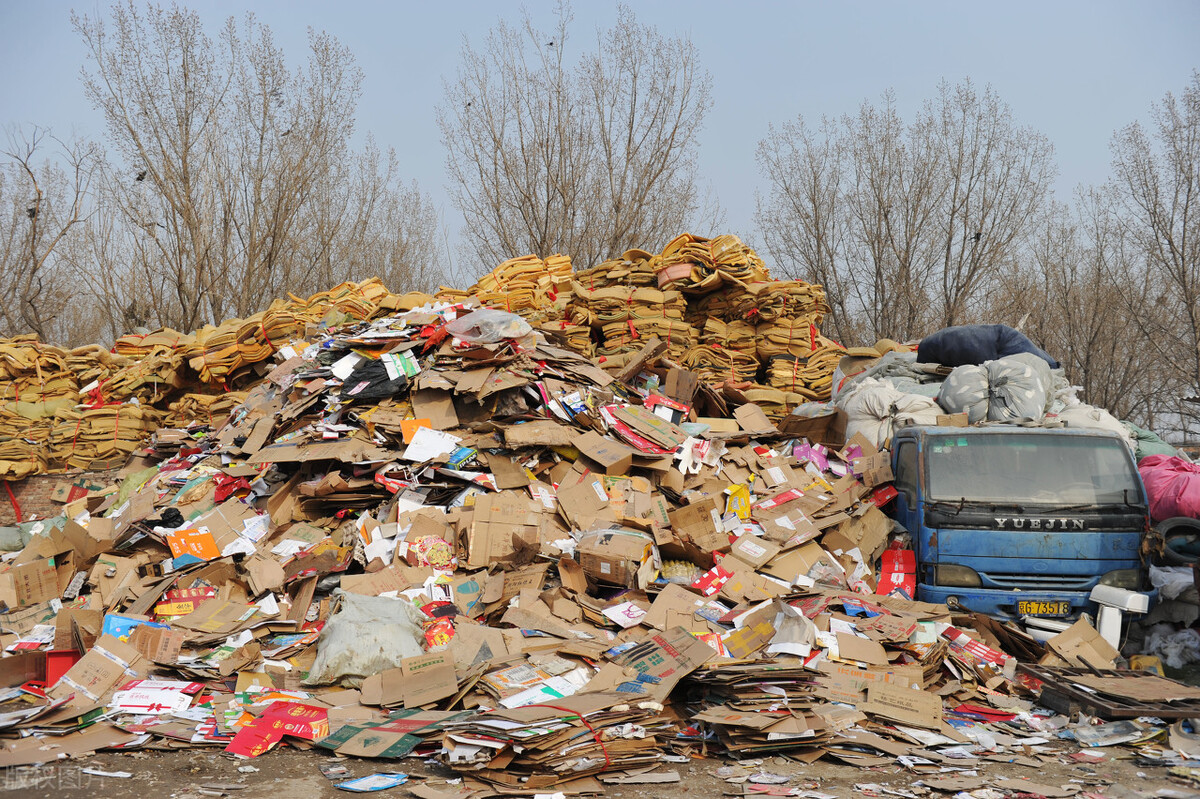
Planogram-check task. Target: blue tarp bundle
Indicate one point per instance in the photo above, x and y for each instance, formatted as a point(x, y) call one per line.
point(973, 344)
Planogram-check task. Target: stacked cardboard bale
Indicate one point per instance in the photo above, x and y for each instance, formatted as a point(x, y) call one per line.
point(210, 409)
point(37, 384)
point(522, 285)
point(102, 437)
point(632, 268)
point(624, 316)
point(220, 353)
point(90, 407)
point(810, 375)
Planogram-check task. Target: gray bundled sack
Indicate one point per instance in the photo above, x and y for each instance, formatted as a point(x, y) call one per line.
point(1014, 387)
point(366, 635)
point(1019, 386)
point(966, 389)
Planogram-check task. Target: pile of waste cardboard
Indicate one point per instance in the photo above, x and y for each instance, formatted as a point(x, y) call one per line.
point(425, 527)
point(712, 302)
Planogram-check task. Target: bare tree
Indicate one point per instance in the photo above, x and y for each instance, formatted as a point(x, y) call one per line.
point(910, 224)
point(43, 202)
point(369, 223)
point(1156, 190)
point(997, 178)
point(803, 228)
point(1069, 304)
point(222, 155)
point(589, 155)
point(890, 204)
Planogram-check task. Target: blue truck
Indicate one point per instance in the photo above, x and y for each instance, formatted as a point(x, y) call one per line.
point(1013, 521)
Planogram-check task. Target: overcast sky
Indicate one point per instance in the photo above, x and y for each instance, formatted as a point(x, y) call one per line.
point(1076, 70)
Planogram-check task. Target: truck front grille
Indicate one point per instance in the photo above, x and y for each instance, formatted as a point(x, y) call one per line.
point(1039, 582)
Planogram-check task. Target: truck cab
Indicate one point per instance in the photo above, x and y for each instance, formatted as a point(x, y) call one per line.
point(1012, 521)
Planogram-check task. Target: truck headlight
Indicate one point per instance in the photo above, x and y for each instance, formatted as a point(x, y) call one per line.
point(1129, 579)
point(955, 575)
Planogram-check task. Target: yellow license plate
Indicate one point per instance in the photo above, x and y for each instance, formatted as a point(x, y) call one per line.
point(1057, 608)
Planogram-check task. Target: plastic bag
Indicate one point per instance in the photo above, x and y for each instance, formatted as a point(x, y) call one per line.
point(1176, 648)
point(807, 410)
point(488, 326)
point(1089, 416)
point(1017, 388)
point(1171, 581)
point(1173, 486)
point(1148, 443)
point(366, 635)
point(874, 409)
point(966, 389)
point(370, 382)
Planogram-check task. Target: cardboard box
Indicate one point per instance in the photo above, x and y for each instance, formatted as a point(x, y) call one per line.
point(1082, 646)
point(107, 664)
point(808, 561)
point(754, 550)
point(828, 428)
point(659, 432)
point(905, 705)
point(499, 520)
point(953, 420)
point(700, 523)
point(668, 657)
point(612, 457)
point(753, 420)
point(582, 500)
point(614, 557)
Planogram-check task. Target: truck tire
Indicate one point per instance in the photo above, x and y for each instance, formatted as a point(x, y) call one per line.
point(1181, 540)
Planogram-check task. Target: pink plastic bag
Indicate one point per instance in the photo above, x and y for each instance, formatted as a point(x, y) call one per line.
point(1173, 486)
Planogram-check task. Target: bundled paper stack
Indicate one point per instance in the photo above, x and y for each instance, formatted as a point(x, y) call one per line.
point(715, 364)
point(100, 438)
point(716, 306)
point(698, 266)
point(209, 409)
point(219, 353)
point(632, 268)
point(520, 285)
point(575, 337)
point(36, 384)
point(603, 306)
point(811, 376)
point(726, 351)
point(628, 336)
point(23, 441)
point(351, 300)
point(684, 262)
point(149, 379)
point(94, 364)
point(776, 300)
point(33, 372)
point(139, 345)
point(775, 403)
point(735, 259)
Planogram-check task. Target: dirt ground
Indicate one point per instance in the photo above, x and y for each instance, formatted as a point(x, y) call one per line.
point(289, 773)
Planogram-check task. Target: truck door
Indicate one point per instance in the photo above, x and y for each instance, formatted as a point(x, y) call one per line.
point(907, 484)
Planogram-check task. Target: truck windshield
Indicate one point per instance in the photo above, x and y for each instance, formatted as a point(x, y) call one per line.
point(1030, 468)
